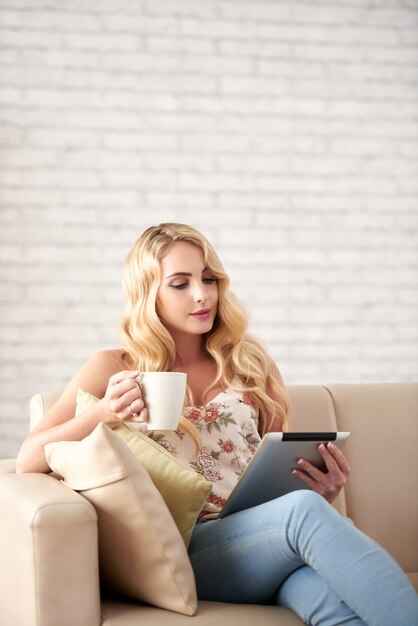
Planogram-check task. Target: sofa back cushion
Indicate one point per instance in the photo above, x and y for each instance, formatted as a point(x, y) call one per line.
point(381, 492)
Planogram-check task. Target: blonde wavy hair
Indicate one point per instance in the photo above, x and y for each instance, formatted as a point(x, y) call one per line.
point(242, 362)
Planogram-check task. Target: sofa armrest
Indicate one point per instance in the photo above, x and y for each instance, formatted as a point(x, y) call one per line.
point(49, 556)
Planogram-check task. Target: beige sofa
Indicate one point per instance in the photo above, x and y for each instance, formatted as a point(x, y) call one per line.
point(48, 533)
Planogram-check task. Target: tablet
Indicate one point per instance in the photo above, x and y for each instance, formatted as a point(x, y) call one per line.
point(269, 473)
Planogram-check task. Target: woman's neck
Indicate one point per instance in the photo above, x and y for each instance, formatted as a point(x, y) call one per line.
point(189, 350)
point(199, 366)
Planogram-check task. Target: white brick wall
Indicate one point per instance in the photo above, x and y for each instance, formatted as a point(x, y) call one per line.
point(286, 131)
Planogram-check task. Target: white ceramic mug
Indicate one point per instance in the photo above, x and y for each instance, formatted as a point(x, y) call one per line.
point(163, 394)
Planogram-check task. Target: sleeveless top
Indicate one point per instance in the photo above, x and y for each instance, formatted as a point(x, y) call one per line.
point(228, 427)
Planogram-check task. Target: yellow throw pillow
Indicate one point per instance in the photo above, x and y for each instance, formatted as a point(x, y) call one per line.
point(140, 549)
point(183, 490)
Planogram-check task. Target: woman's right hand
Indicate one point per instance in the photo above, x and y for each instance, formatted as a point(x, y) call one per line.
point(123, 399)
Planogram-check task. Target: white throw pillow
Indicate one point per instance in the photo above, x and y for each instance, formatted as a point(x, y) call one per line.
point(141, 551)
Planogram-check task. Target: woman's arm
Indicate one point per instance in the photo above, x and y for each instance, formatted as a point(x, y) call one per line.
point(102, 376)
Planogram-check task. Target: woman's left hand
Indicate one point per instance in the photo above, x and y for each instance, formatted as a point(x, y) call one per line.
point(328, 483)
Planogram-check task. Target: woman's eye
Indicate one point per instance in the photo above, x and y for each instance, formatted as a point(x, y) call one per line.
point(180, 286)
point(209, 280)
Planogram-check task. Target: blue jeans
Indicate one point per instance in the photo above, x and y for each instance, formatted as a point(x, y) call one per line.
point(297, 551)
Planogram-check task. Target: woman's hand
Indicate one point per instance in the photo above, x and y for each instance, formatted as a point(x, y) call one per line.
point(123, 399)
point(330, 482)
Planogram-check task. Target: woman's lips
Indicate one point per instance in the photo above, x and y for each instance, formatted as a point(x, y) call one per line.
point(203, 314)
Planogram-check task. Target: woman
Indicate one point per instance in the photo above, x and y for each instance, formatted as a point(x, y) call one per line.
point(295, 551)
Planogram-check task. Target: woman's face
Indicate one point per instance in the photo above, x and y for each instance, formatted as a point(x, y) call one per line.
point(187, 298)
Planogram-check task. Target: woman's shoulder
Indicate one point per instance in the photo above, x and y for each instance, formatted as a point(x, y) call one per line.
point(116, 355)
point(112, 360)
point(96, 371)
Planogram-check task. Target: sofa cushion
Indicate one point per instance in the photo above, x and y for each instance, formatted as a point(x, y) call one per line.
point(183, 490)
point(141, 551)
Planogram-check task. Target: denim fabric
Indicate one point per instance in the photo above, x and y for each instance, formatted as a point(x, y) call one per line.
point(298, 551)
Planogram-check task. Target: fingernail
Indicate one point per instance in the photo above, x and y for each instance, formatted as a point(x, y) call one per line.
point(300, 461)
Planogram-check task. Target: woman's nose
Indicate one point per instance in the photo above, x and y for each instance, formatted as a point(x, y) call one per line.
point(200, 294)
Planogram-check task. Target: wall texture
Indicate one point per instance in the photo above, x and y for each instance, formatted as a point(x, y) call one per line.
point(286, 131)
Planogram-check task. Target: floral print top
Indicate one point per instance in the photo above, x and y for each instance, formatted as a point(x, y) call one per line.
point(228, 427)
